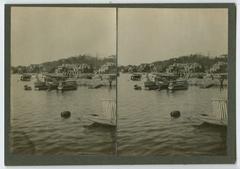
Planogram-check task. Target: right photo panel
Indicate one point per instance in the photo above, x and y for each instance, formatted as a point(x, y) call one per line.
point(172, 83)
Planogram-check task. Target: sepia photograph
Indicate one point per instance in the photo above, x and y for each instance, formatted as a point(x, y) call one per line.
point(63, 80)
point(120, 84)
point(172, 89)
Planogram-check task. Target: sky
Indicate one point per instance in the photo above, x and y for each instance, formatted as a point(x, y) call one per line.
point(40, 34)
point(147, 35)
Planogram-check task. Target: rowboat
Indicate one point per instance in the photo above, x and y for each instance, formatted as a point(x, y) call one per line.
point(108, 116)
point(219, 115)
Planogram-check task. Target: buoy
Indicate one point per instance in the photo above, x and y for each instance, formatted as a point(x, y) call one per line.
point(175, 113)
point(65, 114)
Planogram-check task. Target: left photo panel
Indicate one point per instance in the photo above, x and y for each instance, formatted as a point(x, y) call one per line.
point(63, 81)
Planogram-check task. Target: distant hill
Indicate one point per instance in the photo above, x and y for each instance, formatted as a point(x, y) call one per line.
point(94, 62)
point(205, 61)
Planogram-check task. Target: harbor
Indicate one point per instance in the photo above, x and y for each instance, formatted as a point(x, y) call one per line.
point(49, 132)
point(149, 110)
point(156, 132)
point(119, 82)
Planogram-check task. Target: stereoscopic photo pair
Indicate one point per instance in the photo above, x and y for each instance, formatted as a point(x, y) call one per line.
point(120, 83)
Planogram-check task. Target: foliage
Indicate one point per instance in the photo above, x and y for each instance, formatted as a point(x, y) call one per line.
point(94, 62)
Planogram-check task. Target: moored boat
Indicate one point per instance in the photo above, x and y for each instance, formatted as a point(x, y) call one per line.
point(39, 85)
point(52, 80)
point(150, 85)
point(52, 85)
point(26, 87)
point(67, 85)
point(136, 77)
point(163, 84)
point(137, 87)
point(25, 77)
point(178, 85)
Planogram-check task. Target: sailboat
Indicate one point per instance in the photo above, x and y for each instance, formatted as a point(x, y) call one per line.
point(108, 116)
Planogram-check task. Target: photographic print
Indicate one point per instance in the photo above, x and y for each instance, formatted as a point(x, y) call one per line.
point(63, 80)
point(120, 84)
point(173, 81)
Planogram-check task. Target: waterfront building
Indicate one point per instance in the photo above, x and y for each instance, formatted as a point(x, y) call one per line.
point(219, 67)
point(73, 70)
point(107, 68)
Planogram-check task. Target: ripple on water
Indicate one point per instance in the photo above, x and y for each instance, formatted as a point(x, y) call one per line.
point(146, 128)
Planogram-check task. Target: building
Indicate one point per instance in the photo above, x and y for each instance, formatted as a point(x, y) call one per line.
point(73, 70)
point(219, 67)
point(184, 68)
point(107, 68)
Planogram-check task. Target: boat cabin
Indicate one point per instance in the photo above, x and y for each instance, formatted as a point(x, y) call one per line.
point(136, 77)
point(25, 77)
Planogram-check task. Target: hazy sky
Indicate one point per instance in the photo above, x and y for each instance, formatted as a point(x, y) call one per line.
point(147, 35)
point(40, 34)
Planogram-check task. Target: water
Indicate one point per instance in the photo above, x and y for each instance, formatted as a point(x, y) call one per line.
point(37, 127)
point(144, 124)
point(146, 128)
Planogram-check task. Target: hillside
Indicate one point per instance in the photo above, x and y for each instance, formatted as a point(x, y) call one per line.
point(94, 62)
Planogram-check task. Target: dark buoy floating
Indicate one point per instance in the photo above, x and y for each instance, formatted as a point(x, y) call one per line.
point(175, 113)
point(65, 114)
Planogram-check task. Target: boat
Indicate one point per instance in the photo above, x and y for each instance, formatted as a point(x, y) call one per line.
point(39, 85)
point(52, 80)
point(108, 117)
point(136, 77)
point(52, 85)
point(67, 85)
point(163, 85)
point(219, 115)
point(26, 87)
point(25, 77)
point(150, 85)
point(206, 84)
point(178, 85)
point(137, 87)
point(95, 86)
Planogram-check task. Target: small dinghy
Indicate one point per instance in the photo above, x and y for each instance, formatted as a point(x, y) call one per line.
point(219, 115)
point(26, 87)
point(108, 116)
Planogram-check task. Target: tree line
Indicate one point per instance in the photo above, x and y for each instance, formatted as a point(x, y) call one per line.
point(94, 62)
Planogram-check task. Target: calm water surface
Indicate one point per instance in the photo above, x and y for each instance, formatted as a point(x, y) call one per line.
point(144, 124)
point(36, 125)
point(146, 128)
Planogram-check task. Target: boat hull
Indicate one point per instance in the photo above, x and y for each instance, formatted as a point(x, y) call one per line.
point(40, 86)
point(178, 85)
point(66, 88)
point(213, 120)
point(67, 85)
